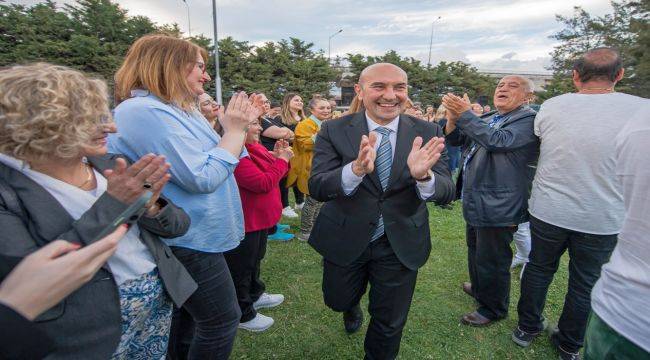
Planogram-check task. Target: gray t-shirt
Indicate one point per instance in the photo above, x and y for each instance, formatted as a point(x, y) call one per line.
point(575, 186)
point(622, 295)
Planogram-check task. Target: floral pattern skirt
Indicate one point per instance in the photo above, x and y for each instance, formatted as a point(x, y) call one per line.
point(146, 318)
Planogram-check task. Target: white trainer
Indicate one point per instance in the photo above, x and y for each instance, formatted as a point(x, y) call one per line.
point(288, 212)
point(257, 324)
point(268, 301)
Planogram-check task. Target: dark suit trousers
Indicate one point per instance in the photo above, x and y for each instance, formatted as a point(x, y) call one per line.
point(391, 290)
point(488, 257)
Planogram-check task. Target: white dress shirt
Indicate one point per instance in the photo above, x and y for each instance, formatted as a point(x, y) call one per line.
point(350, 181)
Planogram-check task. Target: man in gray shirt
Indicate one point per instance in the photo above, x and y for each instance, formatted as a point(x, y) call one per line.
point(576, 201)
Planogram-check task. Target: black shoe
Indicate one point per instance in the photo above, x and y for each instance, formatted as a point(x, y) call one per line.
point(524, 338)
point(564, 355)
point(352, 319)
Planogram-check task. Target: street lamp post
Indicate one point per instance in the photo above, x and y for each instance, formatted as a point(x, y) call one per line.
point(329, 45)
point(431, 41)
point(217, 77)
point(189, 24)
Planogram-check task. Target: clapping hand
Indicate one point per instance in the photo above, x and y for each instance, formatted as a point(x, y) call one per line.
point(48, 275)
point(365, 162)
point(240, 112)
point(455, 106)
point(282, 150)
point(128, 183)
point(422, 158)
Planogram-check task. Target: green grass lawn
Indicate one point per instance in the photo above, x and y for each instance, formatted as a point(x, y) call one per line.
point(306, 329)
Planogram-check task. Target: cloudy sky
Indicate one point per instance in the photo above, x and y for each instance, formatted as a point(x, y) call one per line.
point(490, 34)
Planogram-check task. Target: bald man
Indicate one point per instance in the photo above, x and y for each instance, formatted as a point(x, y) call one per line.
point(576, 204)
point(375, 170)
point(494, 182)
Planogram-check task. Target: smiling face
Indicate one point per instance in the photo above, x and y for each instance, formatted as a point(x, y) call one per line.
point(98, 143)
point(197, 76)
point(383, 90)
point(295, 104)
point(511, 93)
point(322, 110)
point(253, 132)
point(209, 107)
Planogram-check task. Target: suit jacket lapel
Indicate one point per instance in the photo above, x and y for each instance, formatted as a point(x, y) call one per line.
point(357, 128)
point(47, 217)
point(405, 136)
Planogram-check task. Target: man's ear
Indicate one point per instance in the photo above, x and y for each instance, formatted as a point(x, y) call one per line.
point(576, 80)
point(619, 76)
point(358, 91)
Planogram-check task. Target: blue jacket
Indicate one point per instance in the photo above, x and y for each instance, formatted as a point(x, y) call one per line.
point(496, 181)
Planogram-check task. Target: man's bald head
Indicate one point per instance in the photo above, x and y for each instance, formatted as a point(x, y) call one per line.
point(600, 64)
point(383, 89)
point(373, 69)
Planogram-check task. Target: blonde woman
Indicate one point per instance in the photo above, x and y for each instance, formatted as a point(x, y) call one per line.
point(291, 113)
point(157, 89)
point(60, 183)
point(356, 105)
point(306, 133)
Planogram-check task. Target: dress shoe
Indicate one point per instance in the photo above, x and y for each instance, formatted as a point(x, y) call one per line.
point(467, 288)
point(352, 319)
point(475, 319)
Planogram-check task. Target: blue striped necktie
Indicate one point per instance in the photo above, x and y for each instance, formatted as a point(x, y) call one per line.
point(383, 164)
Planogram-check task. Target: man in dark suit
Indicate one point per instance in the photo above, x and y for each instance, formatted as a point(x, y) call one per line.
point(375, 176)
point(497, 169)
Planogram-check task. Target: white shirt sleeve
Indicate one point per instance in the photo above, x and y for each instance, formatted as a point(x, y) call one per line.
point(426, 189)
point(350, 181)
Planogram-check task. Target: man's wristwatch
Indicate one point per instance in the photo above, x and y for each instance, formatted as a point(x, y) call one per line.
point(426, 178)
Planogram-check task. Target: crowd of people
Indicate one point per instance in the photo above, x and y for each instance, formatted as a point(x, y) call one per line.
point(139, 231)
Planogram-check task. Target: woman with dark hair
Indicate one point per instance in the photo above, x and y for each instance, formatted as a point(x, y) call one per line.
point(157, 89)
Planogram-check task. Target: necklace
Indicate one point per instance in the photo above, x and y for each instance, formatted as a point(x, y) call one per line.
point(609, 89)
point(90, 175)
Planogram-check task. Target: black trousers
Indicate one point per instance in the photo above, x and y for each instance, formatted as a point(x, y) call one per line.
point(488, 257)
point(391, 290)
point(244, 264)
point(587, 253)
point(213, 307)
point(284, 193)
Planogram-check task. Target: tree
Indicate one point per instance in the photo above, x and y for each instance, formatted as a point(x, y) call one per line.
point(428, 84)
point(626, 29)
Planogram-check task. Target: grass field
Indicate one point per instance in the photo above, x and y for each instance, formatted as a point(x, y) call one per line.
point(306, 329)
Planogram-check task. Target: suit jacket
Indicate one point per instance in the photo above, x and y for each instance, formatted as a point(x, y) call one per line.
point(87, 324)
point(496, 183)
point(343, 228)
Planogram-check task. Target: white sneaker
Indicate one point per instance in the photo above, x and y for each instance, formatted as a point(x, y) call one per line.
point(299, 206)
point(268, 301)
point(258, 323)
point(288, 212)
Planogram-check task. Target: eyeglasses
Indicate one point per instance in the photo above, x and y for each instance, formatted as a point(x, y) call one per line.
point(201, 66)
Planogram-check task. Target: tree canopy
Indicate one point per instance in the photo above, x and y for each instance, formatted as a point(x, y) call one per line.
point(626, 29)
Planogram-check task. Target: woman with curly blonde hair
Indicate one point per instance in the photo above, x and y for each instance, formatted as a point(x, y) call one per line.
point(157, 90)
point(58, 182)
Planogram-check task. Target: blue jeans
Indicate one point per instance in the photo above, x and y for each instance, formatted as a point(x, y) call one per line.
point(587, 254)
point(213, 306)
point(453, 152)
